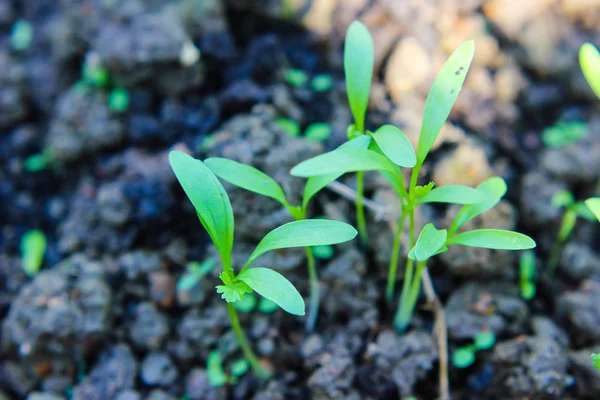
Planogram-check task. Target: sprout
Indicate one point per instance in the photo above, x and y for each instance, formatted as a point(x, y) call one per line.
point(21, 35)
point(33, 249)
point(118, 100)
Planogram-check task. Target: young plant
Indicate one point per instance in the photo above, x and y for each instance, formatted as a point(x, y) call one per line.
point(527, 275)
point(195, 272)
point(256, 181)
point(464, 357)
point(564, 133)
point(389, 150)
point(358, 70)
point(214, 210)
point(33, 248)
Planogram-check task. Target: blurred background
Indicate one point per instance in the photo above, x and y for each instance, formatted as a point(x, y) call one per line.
point(102, 291)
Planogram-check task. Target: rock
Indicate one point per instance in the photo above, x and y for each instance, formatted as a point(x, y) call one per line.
point(14, 105)
point(115, 371)
point(162, 288)
point(578, 261)
point(159, 395)
point(44, 396)
point(511, 16)
point(197, 387)
point(149, 327)
point(408, 67)
point(545, 327)
point(333, 379)
point(466, 165)
point(128, 395)
point(529, 366)
point(140, 263)
point(113, 206)
point(202, 330)
point(581, 310)
point(158, 370)
point(537, 191)
point(586, 375)
point(496, 308)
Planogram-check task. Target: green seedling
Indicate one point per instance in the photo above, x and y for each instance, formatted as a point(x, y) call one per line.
point(214, 369)
point(594, 205)
point(527, 275)
point(246, 304)
point(195, 272)
point(296, 77)
point(564, 133)
point(33, 249)
point(359, 57)
point(573, 210)
point(256, 181)
point(323, 252)
point(21, 35)
point(318, 132)
point(118, 100)
point(464, 357)
point(322, 83)
point(38, 162)
point(266, 306)
point(389, 151)
point(589, 60)
point(216, 216)
point(596, 360)
point(289, 126)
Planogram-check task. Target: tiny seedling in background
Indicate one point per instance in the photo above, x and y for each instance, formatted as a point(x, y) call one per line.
point(389, 150)
point(266, 306)
point(246, 304)
point(33, 249)
point(195, 272)
point(38, 162)
point(318, 132)
point(464, 357)
point(118, 100)
point(596, 360)
point(296, 77)
point(322, 83)
point(527, 275)
point(289, 126)
point(573, 210)
point(254, 180)
point(214, 369)
point(564, 133)
point(216, 216)
point(21, 35)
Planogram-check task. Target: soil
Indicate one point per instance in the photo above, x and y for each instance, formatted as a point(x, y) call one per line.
point(105, 318)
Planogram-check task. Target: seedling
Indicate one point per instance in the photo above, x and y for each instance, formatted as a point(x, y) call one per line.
point(289, 126)
point(318, 132)
point(38, 162)
point(33, 248)
point(358, 69)
point(322, 83)
point(573, 209)
point(296, 77)
point(216, 216)
point(527, 275)
point(266, 306)
point(256, 181)
point(246, 304)
point(596, 360)
point(564, 133)
point(388, 151)
point(195, 272)
point(464, 357)
point(21, 35)
point(594, 205)
point(118, 100)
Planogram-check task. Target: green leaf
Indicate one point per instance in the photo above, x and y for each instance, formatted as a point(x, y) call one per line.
point(358, 68)
point(429, 243)
point(289, 126)
point(596, 360)
point(296, 77)
point(485, 340)
point(305, 233)
point(562, 198)
point(246, 303)
point(240, 367)
point(454, 194)
point(208, 197)
point(563, 133)
point(443, 94)
point(33, 248)
point(527, 289)
point(582, 210)
point(589, 59)
point(324, 252)
point(317, 132)
point(527, 266)
point(494, 189)
point(246, 177)
point(341, 161)
point(493, 239)
point(394, 177)
point(275, 287)
point(233, 289)
point(315, 183)
point(395, 146)
point(214, 369)
point(266, 306)
point(463, 357)
point(422, 191)
point(594, 205)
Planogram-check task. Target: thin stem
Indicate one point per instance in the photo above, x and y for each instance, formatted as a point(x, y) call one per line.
point(360, 210)
point(258, 369)
point(407, 305)
point(566, 227)
point(315, 292)
point(393, 268)
point(402, 318)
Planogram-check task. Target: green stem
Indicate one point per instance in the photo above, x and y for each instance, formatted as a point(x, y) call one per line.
point(408, 270)
point(393, 268)
point(315, 292)
point(566, 227)
point(258, 369)
point(360, 209)
point(406, 307)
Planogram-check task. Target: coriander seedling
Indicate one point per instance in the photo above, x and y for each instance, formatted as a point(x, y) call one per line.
point(389, 151)
point(256, 181)
point(289, 126)
point(464, 357)
point(214, 210)
point(564, 133)
point(33, 248)
point(195, 272)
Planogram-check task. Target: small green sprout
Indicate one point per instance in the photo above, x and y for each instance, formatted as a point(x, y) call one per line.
point(195, 272)
point(239, 367)
point(589, 60)
point(318, 132)
point(596, 360)
point(21, 35)
point(38, 162)
point(266, 306)
point(564, 133)
point(118, 100)
point(464, 357)
point(323, 252)
point(390, 150)
point(296, 77)
point(214, 210)
point(247, 303)
point(33, 248)
point(289, 126)
point(573, 210)
point(527, 274)
point(95, 75)
point(214, 369)
point(322, 83)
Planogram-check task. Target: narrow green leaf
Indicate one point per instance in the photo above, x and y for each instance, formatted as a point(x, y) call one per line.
point(583, 211)
point(596, 360)
point(33, 248)
point(494, 189)
point(493, 239)
point(342, 161)
point(429, 243)
point(589, 59)
point(314, 184)
point(358, 68)
point(394, 177)
point(562, 198)
point(304, 233)
point(246, 177)
point(453, 194)
point(594, 205)
point(443, 94)
point(395, 145)
point(208, 197)
point(485, 340)
point(275, 287)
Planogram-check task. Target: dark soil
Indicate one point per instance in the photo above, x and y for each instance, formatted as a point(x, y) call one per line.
point(104, 318)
